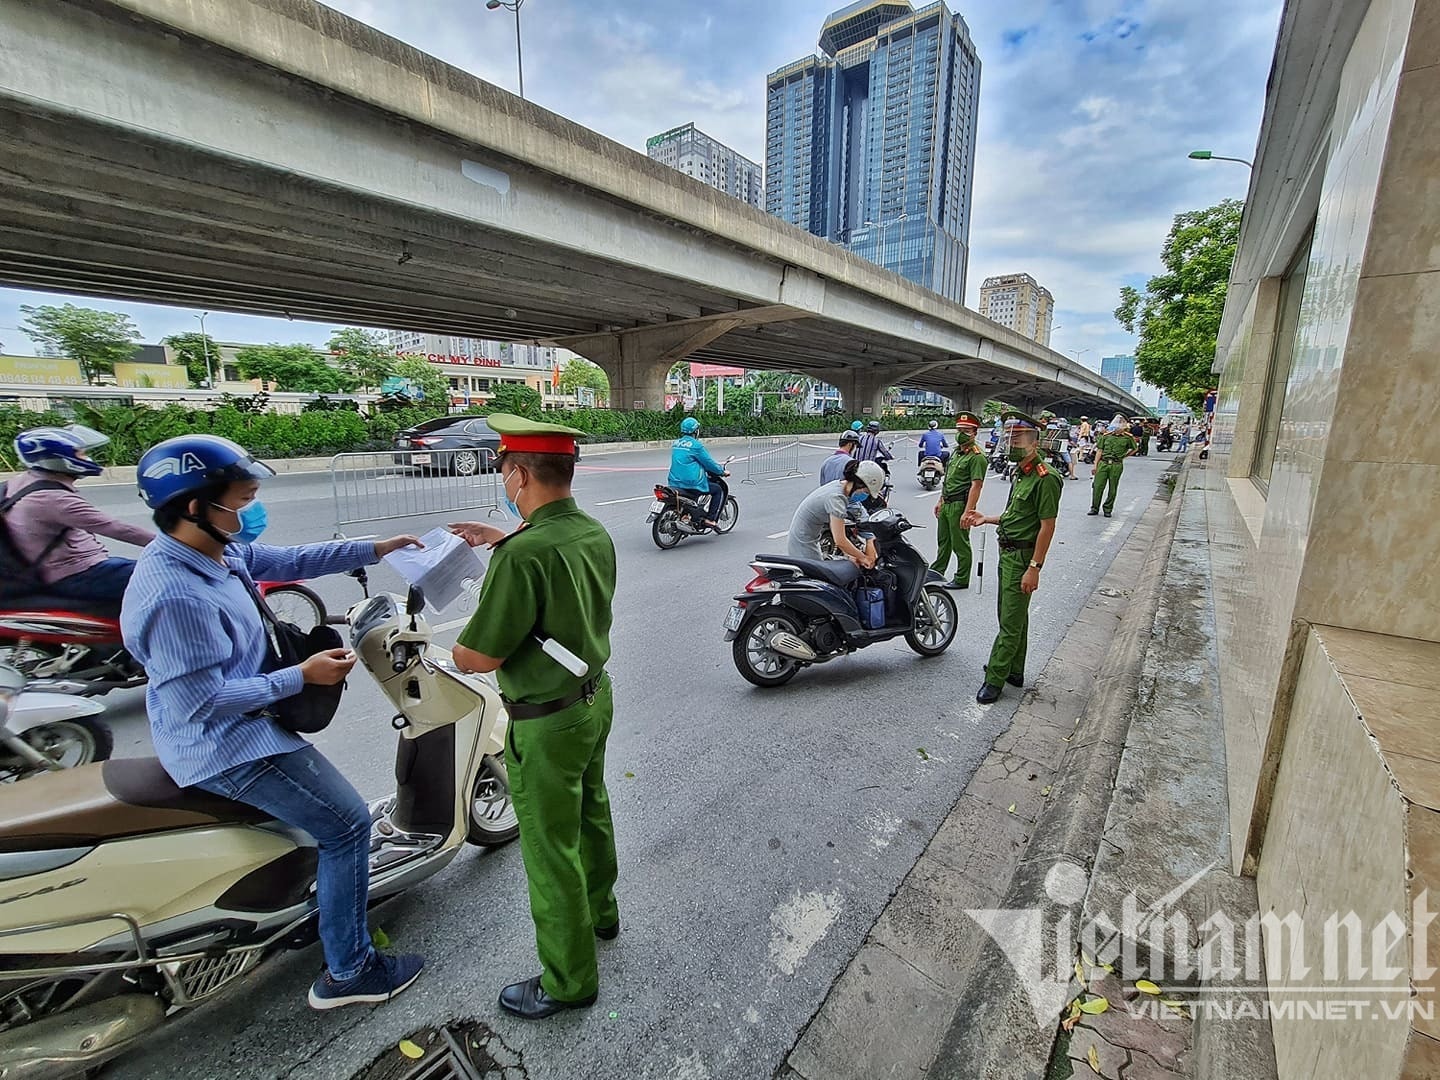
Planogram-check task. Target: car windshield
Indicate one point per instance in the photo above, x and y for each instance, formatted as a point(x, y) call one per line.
point(434, 425)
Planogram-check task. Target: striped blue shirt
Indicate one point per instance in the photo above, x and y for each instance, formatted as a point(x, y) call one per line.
point(194, 626)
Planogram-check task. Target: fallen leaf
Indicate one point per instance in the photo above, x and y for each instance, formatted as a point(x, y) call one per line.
point(1093, 1057)
point(923, 755)
point(613, 1015)
point(1086, 957)
point(1045, 790)
point(1095, 1005)
point(1073, 1017)
point(410, 1050)
point(1079, 974)
point(379, 938)
point(1145, 986)
point(1012, 808)
point(629, 776)
point(1178, 1006)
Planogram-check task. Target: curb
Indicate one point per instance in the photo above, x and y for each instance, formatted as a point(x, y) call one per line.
point(893, 1011)
point(999, 1034)
point(124, 475)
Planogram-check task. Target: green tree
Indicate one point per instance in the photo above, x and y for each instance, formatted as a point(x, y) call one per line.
point(1178, 314)
point(97, 340)
point(516, 398)
point(422, 373)
point(365, 356)
point(292, 368)
point(579, 372)
point(192, 348)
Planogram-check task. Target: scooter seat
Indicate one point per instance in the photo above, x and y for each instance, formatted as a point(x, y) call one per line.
point(117, 798)
point(840, 572)
point(104, 609)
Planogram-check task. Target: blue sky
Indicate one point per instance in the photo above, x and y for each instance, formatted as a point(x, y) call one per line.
point(1087, 111)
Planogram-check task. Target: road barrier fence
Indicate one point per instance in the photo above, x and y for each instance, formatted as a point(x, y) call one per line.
point(385, 485)
point(772, 458)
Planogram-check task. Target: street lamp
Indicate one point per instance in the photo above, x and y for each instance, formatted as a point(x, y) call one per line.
point(1206, 155)
point(515, 6)
point(205, 347)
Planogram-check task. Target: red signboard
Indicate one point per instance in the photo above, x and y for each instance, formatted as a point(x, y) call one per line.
point(715, 371)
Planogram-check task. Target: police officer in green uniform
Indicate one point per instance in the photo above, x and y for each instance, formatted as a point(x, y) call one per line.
point(1141, 433)
point(1025, 530)
point(964, 478)
point(1112, 447)
point(552, 578)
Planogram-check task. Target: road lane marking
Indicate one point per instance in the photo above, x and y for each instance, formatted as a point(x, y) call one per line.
point(633, 498)
point(453, 624)
point(778, 536)
point(798, 925)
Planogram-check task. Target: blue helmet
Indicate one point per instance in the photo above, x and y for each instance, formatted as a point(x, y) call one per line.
point(60, 449)
point(857, 426)
point(689, 426)
point(189, 463)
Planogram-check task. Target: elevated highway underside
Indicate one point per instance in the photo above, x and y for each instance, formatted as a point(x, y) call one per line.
point(144, 156)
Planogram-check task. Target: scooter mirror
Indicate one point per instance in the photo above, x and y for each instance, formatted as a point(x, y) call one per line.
point(414, 601)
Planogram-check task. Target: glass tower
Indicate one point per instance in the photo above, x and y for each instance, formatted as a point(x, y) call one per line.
point(871, 144)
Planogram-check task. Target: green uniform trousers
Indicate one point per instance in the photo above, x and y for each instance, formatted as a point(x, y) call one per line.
point(1145, 446)
point(1107, 483)
point(557, 782)
point(1007, 656)
point(954, 539)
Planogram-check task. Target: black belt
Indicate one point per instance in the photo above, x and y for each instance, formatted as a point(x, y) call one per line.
point(955, 498)
point(1014, 545)
point(522, 711)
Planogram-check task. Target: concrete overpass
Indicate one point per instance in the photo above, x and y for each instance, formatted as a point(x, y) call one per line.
point(276, 157)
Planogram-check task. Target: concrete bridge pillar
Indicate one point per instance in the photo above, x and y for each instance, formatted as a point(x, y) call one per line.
point(972, 397)
point(862, 392)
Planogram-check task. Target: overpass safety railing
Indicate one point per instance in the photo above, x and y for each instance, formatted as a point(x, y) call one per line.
point(772, 458)
point(391, 484)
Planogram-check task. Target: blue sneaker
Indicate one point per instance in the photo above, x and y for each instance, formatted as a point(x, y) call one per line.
point(380, 980)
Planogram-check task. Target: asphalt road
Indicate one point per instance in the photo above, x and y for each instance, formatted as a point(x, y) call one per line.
point(760, 833)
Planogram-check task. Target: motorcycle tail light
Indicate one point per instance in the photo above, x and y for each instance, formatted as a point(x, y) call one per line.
point(761, 583)
point(659, 492)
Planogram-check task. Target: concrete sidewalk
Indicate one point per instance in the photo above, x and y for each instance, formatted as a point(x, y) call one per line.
point(1108, 784)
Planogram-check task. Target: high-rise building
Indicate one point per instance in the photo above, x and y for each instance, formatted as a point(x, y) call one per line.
point(871, 144)
point(462, 348)
point(1120, 370)
point(1019, 302)
point(689, 150)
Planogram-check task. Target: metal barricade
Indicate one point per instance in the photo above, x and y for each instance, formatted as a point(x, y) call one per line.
point(389, 484)
point(772, 458)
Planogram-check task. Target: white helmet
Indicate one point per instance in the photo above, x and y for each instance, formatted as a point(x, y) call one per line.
point(871, 475)
point(934, 424)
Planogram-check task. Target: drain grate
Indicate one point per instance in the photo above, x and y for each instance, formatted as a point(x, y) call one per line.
point(459, 1050)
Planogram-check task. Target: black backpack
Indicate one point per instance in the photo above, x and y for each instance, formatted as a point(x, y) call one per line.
point(17, 573)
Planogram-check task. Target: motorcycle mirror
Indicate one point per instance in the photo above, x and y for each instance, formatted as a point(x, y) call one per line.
point(414, 603)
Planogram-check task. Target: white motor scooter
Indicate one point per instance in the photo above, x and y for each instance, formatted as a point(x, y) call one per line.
point(97, 948)
point(44, 732)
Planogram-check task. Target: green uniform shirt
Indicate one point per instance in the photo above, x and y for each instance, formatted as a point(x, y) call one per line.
point(554, 577)
point(1034, 497)
point(964, 469)
point(1115, 447)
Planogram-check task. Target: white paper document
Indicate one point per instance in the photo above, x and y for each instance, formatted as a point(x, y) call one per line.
point(446, 568)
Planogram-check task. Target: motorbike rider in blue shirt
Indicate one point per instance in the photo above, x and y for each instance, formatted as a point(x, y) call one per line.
point(694, 472)
point(933, 444)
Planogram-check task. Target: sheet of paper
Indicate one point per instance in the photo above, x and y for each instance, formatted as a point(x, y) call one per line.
point(446, 568)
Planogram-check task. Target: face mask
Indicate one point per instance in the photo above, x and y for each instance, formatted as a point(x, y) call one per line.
point(859, 496)
point(252, 518)
point(510, 507)
point(964, 438)
point(1018, 453)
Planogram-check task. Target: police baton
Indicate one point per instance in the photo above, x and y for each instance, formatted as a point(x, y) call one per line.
point(980, 567)
point(563, 656)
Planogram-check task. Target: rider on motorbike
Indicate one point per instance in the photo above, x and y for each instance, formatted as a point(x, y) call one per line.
point(827, 510)
point(833, 467)
point(693, 471)
point(933, 444)
point(53, 529)
point(193, 619)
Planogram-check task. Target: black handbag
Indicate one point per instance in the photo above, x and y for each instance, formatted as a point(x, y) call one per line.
point(313, 708)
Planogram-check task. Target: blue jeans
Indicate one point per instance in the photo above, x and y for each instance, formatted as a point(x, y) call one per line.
point(103, 581)
point(303, 789)
point(717, 501)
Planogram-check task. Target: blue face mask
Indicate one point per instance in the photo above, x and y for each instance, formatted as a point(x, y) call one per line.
point(252, 518)
point(859, 496)
point(509, 503)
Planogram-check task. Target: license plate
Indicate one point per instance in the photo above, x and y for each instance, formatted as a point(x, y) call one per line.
point(420, 459)
point(657, 506)
point(734, 617)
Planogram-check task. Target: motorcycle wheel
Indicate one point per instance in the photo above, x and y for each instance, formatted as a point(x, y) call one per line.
point(297, 604)
point(663, 531)
point(729, 515)
point(492, 814)
point(931, 638)
point(69, 743)
point(755, 660)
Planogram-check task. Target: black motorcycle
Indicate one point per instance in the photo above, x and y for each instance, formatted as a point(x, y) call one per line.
point(674, 516)
point(798, 612)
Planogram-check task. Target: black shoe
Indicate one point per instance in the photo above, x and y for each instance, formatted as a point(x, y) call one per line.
point(1016, 680)
point(1107, 513)
point(988, 694)
point(955, 583)
point(608, 933)
point(529, 1001)
point(1092, 513)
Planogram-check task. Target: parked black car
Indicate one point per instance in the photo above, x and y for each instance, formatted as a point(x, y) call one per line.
point(463, 445)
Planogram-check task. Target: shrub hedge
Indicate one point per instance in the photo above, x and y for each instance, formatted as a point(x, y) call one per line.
point(319, 432)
